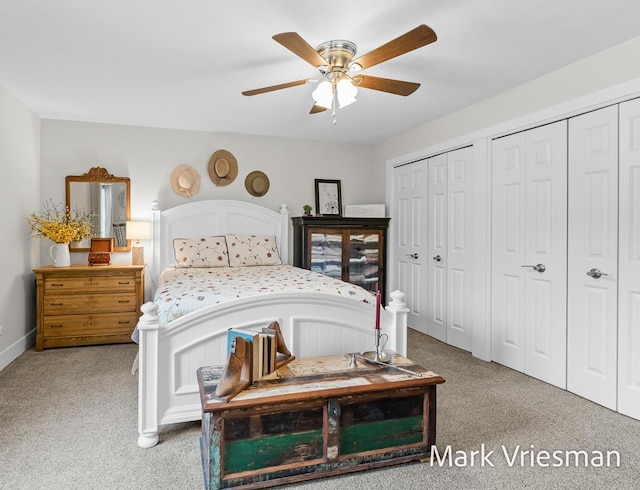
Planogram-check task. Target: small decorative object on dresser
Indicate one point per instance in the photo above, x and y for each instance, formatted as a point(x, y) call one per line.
point(84, 305)
point(328, 198)
point(138, 230)
point(101, 249)
point(364, 211)
point(62, 226)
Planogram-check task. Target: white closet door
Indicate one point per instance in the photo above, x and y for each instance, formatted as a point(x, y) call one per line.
point(508, 250)
point(459, 258)
point(545, 314)
point(529, 223)
point(592, 245)
point(437, 248)
point(409, 226)
point(629, 261)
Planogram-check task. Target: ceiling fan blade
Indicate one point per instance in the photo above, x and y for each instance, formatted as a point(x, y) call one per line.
point(298, 46)
point(397, 87)
point(414, 39)
point(316, 109)
point(273, 87)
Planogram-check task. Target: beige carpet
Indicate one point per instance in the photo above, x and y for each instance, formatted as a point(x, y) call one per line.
point(68, 421)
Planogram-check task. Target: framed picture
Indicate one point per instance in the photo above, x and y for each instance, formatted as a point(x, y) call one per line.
point(328, 198)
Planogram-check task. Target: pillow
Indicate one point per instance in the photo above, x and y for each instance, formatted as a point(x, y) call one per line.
point(209, 251)
point(246, 250)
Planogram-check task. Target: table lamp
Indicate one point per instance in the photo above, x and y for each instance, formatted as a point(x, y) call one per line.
point(138, 230)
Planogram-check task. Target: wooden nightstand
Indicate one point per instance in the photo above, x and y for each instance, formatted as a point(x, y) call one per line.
point(85, 305)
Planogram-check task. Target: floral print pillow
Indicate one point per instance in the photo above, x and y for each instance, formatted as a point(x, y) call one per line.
point(210, 251)
point(247, 250)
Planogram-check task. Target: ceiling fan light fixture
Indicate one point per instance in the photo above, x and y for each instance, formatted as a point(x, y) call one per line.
point(323, 94)
point(336, 58)
point(346, 92)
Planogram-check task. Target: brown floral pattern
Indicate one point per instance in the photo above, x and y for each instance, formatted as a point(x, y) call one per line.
point(250, 250)
point(210, 251)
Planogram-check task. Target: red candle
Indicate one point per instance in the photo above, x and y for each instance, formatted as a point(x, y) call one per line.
point(378, 310)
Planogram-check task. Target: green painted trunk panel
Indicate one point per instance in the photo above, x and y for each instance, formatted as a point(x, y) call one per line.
point(381, 434)
point(252, 454)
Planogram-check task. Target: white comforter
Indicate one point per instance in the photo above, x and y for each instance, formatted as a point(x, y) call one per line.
point(181, 291)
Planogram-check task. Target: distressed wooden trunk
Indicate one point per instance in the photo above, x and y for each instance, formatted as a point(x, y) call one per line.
point(316, 417)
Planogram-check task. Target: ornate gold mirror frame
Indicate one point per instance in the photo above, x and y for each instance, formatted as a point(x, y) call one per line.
point(109, 198)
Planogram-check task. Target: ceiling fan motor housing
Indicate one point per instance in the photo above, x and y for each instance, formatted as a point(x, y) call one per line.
point(337, 53)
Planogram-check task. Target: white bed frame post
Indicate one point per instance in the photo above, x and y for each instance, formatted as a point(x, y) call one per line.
point(398, 323)
point(283, 248)
point(155, 243)
point(148, 327)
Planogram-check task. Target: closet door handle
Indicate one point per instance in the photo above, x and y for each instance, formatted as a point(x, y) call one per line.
point(538, 267)
point(437, 258)
point(413, 256)
point(596, 273)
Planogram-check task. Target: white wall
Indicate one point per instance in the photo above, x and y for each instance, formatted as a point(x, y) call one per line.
point(19, 196)
point(564, 89)
point(148, 156)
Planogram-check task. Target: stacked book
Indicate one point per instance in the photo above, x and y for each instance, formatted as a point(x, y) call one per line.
point(267, 354)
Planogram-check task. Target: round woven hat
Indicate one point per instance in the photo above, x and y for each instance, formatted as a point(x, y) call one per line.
point(257, 183)
point(185, 180)
point(223, 168)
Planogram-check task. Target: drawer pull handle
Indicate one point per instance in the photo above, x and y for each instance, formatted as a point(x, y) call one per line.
point(56, 304)
point(124, 301)
point(57, 284)
point(57, 326)
point(124, 322)
point(124, 283)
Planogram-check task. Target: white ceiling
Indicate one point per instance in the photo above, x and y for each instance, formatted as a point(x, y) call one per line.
point(183, 64)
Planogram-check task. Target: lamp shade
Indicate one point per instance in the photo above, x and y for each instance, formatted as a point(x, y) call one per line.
point(138, 230)
point(347, 92)
point(323, 94)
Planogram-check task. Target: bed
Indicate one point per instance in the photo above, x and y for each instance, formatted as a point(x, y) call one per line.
point(313, 323)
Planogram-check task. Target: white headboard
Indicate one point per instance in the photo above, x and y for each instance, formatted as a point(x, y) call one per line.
point(214, 218)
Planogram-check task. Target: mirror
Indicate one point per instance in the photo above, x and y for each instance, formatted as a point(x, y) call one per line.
point(109, 198)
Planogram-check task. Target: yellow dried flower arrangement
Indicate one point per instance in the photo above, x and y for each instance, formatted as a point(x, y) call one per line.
point(60, 225)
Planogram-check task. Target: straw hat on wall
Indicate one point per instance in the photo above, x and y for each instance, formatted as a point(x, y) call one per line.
point(185, 180)
point(257, 183)
point(223, 168)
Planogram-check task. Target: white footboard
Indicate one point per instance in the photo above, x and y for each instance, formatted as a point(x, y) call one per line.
point(312, 325)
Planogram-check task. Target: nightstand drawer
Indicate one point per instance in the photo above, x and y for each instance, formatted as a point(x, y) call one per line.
point(89, 303)
point(83, 325)
point(89, 284)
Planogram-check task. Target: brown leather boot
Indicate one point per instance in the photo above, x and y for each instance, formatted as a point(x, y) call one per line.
point(281, 346)
point(237, 373)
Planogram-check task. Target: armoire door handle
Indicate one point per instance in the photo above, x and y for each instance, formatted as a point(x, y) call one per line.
point(538, 267)
point(596, 273)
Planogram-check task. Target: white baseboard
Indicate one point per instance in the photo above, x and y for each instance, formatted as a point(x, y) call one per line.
point(12, 352)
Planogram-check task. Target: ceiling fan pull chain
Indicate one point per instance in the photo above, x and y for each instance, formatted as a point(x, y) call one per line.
point(335, 101)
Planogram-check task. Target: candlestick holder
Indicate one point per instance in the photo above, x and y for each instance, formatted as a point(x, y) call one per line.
point(378, 354)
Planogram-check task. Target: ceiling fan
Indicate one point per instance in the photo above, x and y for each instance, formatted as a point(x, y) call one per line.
point(339, 71)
